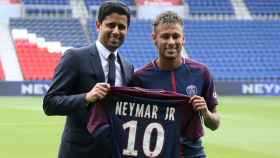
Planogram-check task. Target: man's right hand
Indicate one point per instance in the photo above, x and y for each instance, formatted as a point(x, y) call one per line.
point(99, 91)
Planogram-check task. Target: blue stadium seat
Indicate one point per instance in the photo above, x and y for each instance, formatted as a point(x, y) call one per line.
point(261, 7)
point(210, 7)
point(42, 8)
point(46, 2)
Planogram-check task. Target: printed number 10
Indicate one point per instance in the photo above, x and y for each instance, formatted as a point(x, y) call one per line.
point(132, 127)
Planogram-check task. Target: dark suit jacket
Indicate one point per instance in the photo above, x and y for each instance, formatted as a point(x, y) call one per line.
point(79, 70)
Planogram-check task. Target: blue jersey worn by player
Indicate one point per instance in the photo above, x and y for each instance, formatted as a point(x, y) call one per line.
point(191, 78)
point(145, 123)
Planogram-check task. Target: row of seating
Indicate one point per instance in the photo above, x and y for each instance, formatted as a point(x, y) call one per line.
point(261, 7)
point(65, 12)
point(59, 8)
point(253, 48)
point(47, 8)
point(196, 7)
point(46, 2)
point(206, 7)
point(249, 53)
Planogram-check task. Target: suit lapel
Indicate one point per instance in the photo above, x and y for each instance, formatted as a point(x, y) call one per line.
point(96, 64)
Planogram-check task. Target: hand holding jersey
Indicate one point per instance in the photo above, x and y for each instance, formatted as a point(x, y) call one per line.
point(211, 120)
point(199, 104)
point(98, 92)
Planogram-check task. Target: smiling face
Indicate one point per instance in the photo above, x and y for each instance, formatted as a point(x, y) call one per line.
point(169, 40)
point(112, 30)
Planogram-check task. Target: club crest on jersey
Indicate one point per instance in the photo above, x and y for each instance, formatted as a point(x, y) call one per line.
point(191, 90)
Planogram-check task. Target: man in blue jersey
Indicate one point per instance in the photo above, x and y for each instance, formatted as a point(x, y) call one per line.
point(172, 72)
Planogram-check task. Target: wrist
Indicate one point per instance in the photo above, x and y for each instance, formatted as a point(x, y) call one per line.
point(90, 99)
point(206, 114)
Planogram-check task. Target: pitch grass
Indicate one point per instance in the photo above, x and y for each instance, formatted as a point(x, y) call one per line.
point(250, 128)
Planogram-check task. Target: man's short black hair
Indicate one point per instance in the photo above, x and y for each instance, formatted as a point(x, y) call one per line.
point(109, 7)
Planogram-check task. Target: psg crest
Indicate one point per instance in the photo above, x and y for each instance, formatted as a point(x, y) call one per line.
point(191, 90)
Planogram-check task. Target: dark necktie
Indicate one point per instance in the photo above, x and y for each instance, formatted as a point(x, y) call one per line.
point(112, 70)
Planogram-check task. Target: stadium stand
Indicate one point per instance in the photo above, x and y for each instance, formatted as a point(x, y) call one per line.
point(2, 76)
point(261, 7)
point(42, 42)
point(210, 7)
point(47, 8)
point(234, 50)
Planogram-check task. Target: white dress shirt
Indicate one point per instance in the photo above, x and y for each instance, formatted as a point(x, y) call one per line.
point(104, 56)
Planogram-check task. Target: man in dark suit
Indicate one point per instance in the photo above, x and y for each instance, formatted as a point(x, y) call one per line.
point(83, 77)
